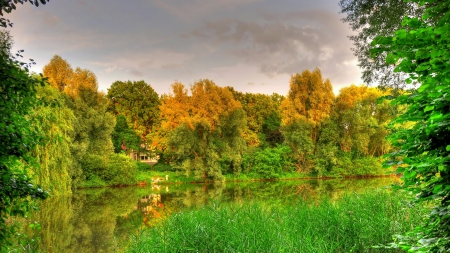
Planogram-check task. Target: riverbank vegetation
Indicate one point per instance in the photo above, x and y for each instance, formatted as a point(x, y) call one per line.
point(209, 133)
point(349, 224)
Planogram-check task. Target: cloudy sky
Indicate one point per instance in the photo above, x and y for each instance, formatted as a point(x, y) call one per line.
point(252, 45)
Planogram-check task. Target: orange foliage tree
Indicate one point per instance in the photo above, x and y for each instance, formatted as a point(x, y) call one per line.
point(362, 120)
point(203, 132)
point(310, 99)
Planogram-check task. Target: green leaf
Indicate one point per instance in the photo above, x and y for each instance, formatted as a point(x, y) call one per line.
point(437, 188)
point(447, 148)
point(423, 87)
point(436, 116)
point(429, 108)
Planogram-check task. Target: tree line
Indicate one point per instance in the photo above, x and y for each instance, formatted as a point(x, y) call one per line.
point(205, 130)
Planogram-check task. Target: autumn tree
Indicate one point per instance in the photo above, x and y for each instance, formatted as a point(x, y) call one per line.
point(307, 105)
point(263, 117)
point(58, 72)
point(310, 99)
point(207, 139)
point(363, 120)
point(93, 125)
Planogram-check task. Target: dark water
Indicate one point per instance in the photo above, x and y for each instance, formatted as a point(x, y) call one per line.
point(102, 220)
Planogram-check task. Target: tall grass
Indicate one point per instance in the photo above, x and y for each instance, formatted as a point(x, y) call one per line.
point(353, 224)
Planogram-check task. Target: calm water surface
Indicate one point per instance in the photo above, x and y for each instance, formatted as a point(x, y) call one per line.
point(100, 220)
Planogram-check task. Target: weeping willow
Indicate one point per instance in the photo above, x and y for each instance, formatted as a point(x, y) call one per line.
point(55, 121)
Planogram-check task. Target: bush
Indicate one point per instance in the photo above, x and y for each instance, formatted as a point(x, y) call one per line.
point(143, 166)
point(163, 167)
point(268, 162)
point(93, 166)
point(121, 170)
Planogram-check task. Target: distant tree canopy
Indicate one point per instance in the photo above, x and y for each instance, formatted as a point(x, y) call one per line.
point(309, 99)
point(263, 117)
point(204, 129)
point(59, 72)
point(138, 102)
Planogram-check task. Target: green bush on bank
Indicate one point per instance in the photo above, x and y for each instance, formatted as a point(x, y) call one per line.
point(268, 162)
point(354, 224)
point(116, 169)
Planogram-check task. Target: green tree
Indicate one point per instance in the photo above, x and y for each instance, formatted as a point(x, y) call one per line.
point(17, 99)
point(123, 137)
point(139, 103)
point(262, 113)
point(93, 125)
point(421, 49)
point(372, 18)
point(55, 121)
point(297, 135)
point(363, 121)
point(327, 153)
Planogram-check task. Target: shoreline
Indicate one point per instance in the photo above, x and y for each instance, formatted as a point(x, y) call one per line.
point(178, 182)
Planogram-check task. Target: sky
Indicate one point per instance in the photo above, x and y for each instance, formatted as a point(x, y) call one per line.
point(252, 45)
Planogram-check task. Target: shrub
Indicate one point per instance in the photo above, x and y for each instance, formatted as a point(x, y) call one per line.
point(93, 166)
point(143, 166)
point(268, 162)
point(121, 170)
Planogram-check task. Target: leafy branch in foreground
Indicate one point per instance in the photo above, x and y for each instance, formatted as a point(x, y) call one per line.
point(17, 138)
point(7, 6)
point(422, 51)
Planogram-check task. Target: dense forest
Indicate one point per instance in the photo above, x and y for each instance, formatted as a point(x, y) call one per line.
point(206, 131)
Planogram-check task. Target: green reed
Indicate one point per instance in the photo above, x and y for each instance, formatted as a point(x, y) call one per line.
point(354, 223)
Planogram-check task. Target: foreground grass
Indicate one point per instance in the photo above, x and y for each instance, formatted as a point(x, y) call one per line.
point(353, 224)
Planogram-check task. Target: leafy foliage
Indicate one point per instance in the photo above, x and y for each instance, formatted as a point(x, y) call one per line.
point(268, 162)
point(92, 125)
point(138, 102)
point(206, 138)
point(7, 6)
point(310, 98)
point(421, 49)
point(18, 137)
point(263, 116)
point(372, 18)
point(123, 137)
point(56, 122)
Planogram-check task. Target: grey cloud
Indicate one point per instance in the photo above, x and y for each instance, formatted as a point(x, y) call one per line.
point(283, 43)
point(137, 73)
point(188, 10)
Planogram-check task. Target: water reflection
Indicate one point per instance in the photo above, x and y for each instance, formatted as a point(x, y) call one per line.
point(99, 220)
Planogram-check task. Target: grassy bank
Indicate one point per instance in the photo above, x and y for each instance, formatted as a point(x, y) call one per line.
point(354, 224)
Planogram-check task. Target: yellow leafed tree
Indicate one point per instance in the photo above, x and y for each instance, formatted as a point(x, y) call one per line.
point(310, 98)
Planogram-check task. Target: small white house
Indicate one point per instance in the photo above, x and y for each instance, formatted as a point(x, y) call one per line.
point(144, 158)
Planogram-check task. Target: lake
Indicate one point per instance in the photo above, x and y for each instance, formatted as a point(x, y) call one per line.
point(100, 220)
